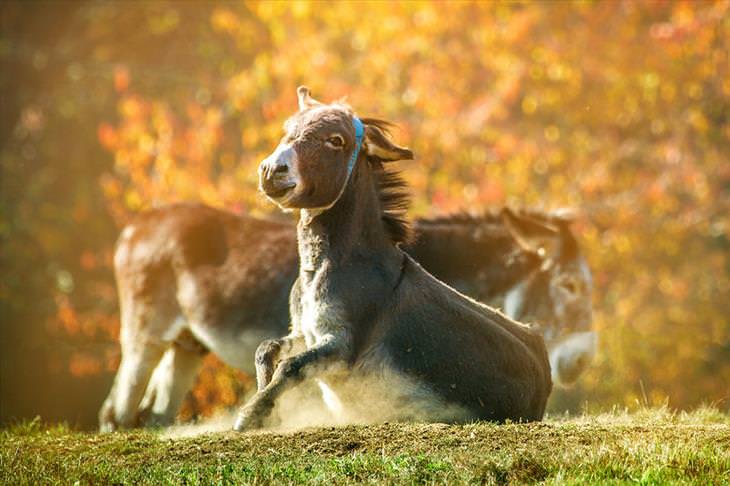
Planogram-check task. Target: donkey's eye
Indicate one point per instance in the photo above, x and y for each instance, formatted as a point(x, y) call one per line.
point(335, 141)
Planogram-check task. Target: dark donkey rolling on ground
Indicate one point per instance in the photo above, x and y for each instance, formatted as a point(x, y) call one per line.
point(192, 278)
point(364, 311)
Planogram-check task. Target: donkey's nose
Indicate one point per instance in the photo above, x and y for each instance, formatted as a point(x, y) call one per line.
point(281, 169)
point(571, 367)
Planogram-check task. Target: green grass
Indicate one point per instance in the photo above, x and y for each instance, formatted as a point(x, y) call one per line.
point(647, 447)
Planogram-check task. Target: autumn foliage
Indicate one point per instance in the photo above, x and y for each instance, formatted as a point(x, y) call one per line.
point(620, 110)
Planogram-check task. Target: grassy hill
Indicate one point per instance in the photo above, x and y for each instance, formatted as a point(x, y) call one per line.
point(650, 447)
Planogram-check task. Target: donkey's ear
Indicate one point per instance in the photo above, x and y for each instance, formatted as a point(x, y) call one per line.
point(377, 144)
point(305, 98)
point(534, 236)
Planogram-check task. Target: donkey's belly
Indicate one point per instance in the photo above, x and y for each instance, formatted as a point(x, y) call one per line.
point(234, 349)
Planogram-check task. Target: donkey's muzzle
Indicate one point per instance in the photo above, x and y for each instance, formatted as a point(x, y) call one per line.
point(571, 357)
point(274, 173)
point(276, 184)
point(276, 190)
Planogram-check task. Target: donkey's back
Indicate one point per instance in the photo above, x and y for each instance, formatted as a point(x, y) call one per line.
point(205, 265)
point(468, 353)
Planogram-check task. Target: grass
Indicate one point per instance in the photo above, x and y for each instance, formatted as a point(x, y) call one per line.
point(647, 447)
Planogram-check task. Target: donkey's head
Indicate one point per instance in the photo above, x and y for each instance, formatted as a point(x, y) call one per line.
point(558, 295)
point(320, 148)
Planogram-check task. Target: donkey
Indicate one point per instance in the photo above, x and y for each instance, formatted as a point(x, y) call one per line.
point(363, 310)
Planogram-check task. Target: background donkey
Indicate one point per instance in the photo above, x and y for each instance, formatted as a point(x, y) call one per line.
point(361, 308)
point(192, 278)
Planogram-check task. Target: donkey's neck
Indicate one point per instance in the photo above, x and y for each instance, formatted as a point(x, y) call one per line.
point(352, 227)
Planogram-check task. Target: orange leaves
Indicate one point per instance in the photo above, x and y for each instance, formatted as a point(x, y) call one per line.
point(217, 387)
point(88, 260)
point(82, 364)
point(107, 136)
point(132, 108)
point(66, 316)
point(223, 19)
point(491, 193)
point(121, 78)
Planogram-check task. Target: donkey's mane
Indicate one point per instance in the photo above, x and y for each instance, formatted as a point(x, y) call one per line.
point(392, 191)
point(492, 216)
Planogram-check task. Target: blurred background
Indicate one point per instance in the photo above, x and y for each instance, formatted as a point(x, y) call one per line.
point(619, 109)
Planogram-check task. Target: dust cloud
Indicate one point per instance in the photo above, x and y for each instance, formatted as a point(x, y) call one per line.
point(343, 399)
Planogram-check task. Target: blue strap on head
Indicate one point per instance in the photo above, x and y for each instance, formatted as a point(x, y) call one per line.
point(359, 135)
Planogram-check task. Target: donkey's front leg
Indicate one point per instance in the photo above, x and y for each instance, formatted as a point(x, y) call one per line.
point(271, 351)
point(288, 374)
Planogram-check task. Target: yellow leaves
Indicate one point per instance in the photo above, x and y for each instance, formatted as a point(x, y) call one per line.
point(242, 89)
point(146, 144)
point(650, 84)
point(131, 107)
point(270, 12)
point(164, 164)
point(676, 289)
point(649, 81)
point(224, 20)
point(694, 91)
point(133, 200)
point(552, 133)
point(622, 243)
point(519, 23)
point(683, 13)
point(529, 105)
point(164, 21)
point(726, 87)
point(427, 18)
point(300, 9)
point(558, 72)
point(210, 195)
point(250, 139)
point(111, 187)
point(697, 120)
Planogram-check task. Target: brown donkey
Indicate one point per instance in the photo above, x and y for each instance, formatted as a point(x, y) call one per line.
point(362, 310)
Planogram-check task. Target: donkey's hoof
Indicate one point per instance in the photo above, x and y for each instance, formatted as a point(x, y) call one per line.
point(247, 420)
point(106, 418)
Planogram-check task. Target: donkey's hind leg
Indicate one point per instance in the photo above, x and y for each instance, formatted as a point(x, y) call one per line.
point(171, 381)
